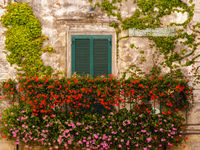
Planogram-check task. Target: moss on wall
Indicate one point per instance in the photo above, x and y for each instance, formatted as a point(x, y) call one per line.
point(24, 40)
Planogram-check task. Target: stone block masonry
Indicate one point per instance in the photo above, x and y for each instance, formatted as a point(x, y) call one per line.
point(63, 18)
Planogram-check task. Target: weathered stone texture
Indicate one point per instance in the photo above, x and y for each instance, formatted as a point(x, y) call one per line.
point(192, 143)
point(7, 145)
point(63, 18)
point(6, 71)
point(193, 115)
point(197, 4)
point(129, 56)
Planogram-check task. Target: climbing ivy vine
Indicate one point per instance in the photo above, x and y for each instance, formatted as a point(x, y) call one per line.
point(24, 40)
point(148, 14)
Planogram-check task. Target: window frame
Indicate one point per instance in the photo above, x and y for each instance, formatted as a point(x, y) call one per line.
point(91, 38)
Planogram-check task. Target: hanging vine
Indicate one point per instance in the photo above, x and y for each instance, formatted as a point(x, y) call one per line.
point(148, 14)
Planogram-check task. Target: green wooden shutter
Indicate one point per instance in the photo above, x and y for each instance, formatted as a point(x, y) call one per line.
point(101, 57)
point(91, 54)
point(81, 54)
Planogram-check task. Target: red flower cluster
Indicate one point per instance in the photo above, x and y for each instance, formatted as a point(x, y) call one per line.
point(46, 94)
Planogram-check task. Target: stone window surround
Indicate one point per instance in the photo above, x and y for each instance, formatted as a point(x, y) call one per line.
point(84, 31)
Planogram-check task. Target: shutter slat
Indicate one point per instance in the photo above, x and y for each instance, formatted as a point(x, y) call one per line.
point(82, 56)
point(100, 50)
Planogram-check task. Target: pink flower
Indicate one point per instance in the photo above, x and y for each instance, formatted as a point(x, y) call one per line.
point(65, 145)
point(113, 132)
point(79, 142)
point(78, 123)
point(26, 146)
point(144, 148)
point(66, 131)
point(69, 142)
point(160, 145)
point(149, 139)
point(96, 136)
point(104, 137)
point(119, 146)
point(173, 133)
point(170, 144)
point(143, 131)
point(162, 140)
point(45, 117)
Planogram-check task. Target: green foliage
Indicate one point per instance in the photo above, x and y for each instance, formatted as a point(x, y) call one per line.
point(148, 15)
point(155, 70)
point(46, 94)
point(42, 100)
point(24, 40)
point(123, 129)
point(62, 110)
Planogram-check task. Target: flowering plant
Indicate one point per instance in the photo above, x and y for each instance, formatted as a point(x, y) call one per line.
point(62, 113)
point(124, 129)
point(45, 94)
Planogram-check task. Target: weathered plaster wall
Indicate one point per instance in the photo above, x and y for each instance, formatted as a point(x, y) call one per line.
point(6, 71)
point(63, 18)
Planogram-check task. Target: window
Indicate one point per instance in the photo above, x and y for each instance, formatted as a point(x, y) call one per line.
point(91, 54)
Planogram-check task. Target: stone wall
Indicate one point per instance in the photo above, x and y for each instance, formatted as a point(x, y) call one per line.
point(6, 71)
point(63, 18)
